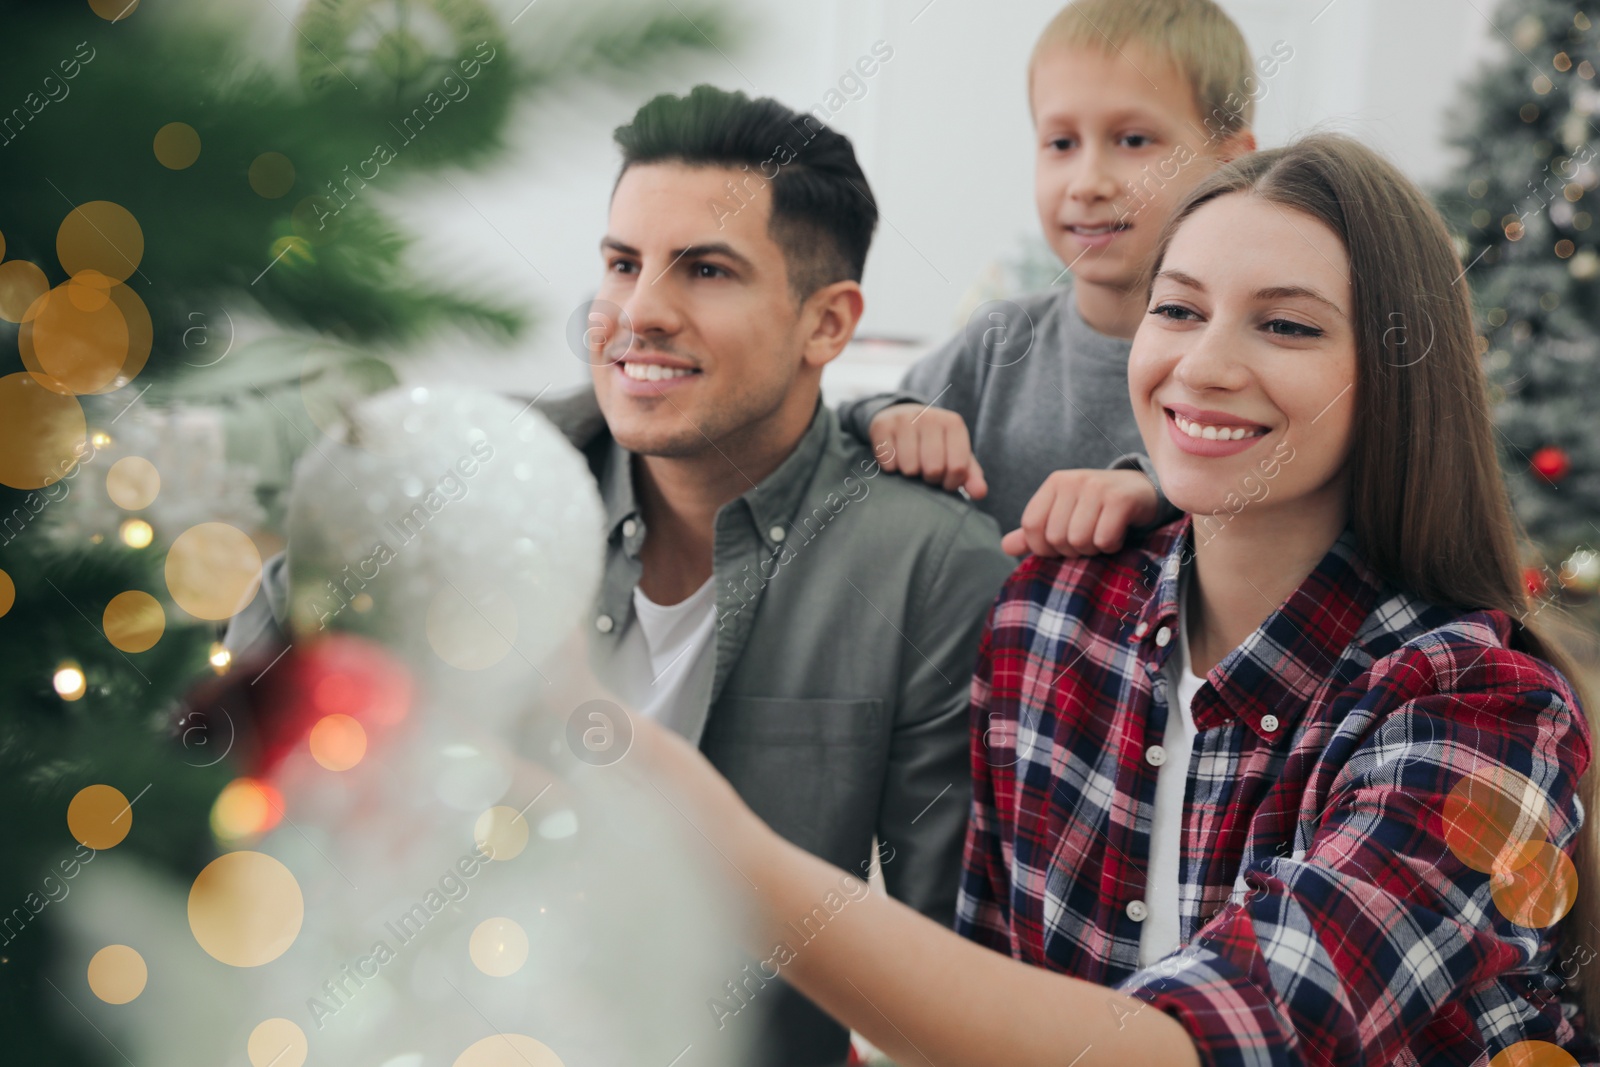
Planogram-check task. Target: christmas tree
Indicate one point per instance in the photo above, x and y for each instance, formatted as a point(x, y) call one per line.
point(159, 176)
point(1524, 205)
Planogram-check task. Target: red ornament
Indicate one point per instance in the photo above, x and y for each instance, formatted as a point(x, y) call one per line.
point(1534, 581)
point(1551, 463)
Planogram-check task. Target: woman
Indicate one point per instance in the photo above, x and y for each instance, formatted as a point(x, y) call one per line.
point(1299, 772)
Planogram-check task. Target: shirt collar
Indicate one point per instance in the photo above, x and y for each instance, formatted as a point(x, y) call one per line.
point(1280, 667)
point(771, 504)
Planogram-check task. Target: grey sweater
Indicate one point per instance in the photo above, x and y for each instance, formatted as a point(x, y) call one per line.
point(1040, 390)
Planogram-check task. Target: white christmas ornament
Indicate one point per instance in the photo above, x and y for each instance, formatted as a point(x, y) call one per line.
point(470, 889)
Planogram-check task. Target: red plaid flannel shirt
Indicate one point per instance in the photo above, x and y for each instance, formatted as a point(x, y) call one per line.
point(1324, 917)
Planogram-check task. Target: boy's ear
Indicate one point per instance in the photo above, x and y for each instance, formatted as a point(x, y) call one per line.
point(1240, 143)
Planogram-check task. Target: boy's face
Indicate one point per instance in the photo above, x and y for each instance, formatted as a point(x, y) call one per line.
point(1119, 141)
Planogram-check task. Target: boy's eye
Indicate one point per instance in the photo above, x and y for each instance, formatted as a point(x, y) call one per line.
point(621, 266)
point(1292, 329)
point(1136, 140)
point(1061, 144)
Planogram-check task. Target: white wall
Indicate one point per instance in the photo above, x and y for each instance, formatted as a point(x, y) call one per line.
point(942, 133)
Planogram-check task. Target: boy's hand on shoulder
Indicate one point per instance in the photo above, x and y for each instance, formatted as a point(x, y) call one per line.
point(1083, 513)
point(930, 443)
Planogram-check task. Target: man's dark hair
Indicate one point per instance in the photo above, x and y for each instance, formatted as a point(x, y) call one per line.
point(823, 212)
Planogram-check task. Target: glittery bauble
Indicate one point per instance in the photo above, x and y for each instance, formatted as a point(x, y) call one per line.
point(454, 524)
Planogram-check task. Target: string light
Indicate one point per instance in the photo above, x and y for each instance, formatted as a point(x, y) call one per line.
point(136, 533)
point(69, 681)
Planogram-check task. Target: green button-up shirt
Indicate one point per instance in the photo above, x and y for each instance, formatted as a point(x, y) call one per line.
point(849, 607)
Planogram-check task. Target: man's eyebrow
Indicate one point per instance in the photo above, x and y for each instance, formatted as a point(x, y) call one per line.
point(711, 248)
point(1274, 292)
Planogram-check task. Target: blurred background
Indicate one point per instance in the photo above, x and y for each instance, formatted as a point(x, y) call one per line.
point(943, 133)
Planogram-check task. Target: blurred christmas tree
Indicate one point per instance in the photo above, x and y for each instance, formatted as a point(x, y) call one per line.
point(161, 174)
point(1525, 204)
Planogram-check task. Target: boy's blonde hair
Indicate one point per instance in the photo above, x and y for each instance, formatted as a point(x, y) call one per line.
point(1195, 35)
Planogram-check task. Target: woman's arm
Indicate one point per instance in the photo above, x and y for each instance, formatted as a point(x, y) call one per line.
point(917, 990)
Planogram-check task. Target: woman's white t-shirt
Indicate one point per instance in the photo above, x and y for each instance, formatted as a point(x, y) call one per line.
point(1160, 936)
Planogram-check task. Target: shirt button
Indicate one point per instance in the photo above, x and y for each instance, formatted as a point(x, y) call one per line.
point(1137, 911)
point(604, 624)
point(1142, 629)
point(777, 533)
point(1269, 723)
point(1155, 755)
point(629, 528)
point(1163, 635)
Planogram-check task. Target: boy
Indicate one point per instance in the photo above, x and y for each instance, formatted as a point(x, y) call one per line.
point(1133, 103)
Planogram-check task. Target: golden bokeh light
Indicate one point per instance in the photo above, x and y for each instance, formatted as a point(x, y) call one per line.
point(245, 909)
point(220, 658)
point(1540, 892)
point(1495, 820)
point(508, 1050)
point(271, 175)
point(117, 974)
point(99, 817)
point(136, 533)
point(177, 145)
point(114, 10)
point(88, 290)
point(134, 621)
point(1533, 1054)
point(501, 832)
point(8, 592)
point(21, 285)
point(338, 742)
point(69, 682)
point(86, 337)
point(499, 947)
point(277, 1043)
point(471, 632)
point(73, 350)
point(213, 570)
point(43, 434)
point(132, 483)
point(245, 808)
point(100, 236)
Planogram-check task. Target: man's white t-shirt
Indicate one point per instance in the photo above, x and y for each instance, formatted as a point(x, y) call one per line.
point(663, 663)
point(1160, 936)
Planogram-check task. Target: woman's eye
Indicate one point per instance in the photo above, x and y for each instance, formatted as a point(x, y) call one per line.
point(620, 266)
point(1171, 311)
point(1292, 329)
point(709, 270)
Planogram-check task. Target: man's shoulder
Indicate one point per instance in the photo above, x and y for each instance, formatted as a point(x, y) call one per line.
point(919, 513)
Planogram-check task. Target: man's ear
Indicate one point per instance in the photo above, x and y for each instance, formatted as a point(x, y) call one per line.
point(830, 314)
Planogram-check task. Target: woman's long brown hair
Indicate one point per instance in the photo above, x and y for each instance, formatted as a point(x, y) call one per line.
point(1427, 499)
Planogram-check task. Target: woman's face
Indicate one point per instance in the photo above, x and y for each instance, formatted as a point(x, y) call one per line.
point(1242, 373)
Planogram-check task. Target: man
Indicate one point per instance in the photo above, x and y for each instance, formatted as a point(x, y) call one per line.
point(811, 625)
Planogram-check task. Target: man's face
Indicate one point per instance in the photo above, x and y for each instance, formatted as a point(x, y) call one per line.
point(707, 344)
